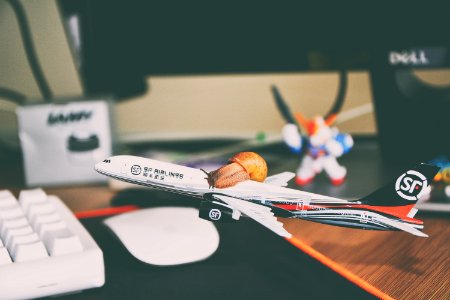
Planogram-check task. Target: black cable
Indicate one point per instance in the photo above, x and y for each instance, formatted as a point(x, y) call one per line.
point(335, 109)
point(30, 51)
point(283, 107)
point(340, 96)
point(12, 96)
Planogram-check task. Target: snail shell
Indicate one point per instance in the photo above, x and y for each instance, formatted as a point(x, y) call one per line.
point(242, 166)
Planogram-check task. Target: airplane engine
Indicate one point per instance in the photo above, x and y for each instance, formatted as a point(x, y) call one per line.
point(216, 212)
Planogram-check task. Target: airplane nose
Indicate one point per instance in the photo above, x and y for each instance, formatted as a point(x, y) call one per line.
point(102, 166)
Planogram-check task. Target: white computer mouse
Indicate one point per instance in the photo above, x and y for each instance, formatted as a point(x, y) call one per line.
point(165, 236)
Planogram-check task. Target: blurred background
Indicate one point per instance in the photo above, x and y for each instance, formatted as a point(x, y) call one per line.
point(184, 72)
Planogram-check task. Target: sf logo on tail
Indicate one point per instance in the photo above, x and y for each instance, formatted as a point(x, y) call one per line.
point(215, 214)
point(411, 185)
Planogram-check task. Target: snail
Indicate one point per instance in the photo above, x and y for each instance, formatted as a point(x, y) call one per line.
point(242, 166)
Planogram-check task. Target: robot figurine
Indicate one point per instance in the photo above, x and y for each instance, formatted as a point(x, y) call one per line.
point(321, 144)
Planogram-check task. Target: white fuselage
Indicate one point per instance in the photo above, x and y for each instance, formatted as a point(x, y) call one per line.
point(186, 180)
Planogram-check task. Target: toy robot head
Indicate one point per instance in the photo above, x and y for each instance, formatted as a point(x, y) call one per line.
point(318, 130)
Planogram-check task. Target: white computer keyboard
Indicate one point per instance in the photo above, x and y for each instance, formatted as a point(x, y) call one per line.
point(44, 249)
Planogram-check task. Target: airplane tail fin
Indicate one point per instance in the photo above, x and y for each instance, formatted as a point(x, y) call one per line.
point(405, 189)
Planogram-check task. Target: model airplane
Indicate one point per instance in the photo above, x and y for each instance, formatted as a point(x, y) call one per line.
point(389, 208)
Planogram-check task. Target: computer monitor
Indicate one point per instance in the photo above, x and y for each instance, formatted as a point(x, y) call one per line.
point(122, 42)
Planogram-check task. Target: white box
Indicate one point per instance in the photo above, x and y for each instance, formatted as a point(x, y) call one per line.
point(62, 142)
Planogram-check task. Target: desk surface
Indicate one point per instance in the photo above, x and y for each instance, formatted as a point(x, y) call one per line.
point(399, 264)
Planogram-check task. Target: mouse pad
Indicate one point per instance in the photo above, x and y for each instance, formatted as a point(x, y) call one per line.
point(251, 263)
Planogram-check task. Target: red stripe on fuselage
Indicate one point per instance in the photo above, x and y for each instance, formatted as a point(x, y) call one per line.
point(396, 211)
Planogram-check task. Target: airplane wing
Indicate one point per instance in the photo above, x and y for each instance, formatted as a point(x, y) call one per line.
point(259, 213)
point(404, 227)
point(280, 179)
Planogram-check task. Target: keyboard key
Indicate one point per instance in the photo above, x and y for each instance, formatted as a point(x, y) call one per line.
point(7, 199)
point(41, 229)
point(11, 211)
point(39, 209)
point(6, 224)
point(5, 194)
point(4, 257)
point(29, 251)
point(12, 233)
point(45, 218)
point(63, 241)
point(30, 197)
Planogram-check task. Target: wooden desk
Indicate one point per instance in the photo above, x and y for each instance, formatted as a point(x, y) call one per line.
point(401, 265)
